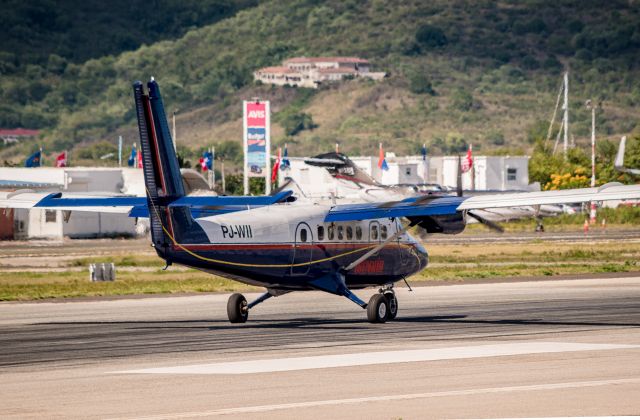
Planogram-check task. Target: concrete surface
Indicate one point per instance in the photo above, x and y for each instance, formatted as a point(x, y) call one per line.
point(528, 349)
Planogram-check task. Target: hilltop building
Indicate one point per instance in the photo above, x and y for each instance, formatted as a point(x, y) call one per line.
point(311, 72)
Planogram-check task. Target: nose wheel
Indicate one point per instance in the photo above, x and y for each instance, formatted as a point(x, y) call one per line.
point(382, 307)
point(393, 304)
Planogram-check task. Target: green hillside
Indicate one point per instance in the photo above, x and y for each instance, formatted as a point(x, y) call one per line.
point(461, 72)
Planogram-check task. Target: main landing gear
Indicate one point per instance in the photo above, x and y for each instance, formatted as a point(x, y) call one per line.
point(238, 308)
point(383, 306)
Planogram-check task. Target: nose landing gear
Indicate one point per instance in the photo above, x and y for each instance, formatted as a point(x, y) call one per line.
point(383, 306)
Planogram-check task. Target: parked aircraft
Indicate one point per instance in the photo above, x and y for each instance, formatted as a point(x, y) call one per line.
point(286, 245)
point(352, 184)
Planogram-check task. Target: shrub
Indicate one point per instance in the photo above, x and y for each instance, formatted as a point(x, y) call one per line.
point(430, 36)
point(461, 100)
point(419, 83)
point(295, 123)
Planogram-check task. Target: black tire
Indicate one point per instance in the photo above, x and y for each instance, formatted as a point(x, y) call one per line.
point(378, 309)
point(237, 309)
point(393, 305)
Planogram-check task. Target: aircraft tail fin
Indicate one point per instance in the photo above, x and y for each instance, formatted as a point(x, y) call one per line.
point(619, 162)
point(162, 177)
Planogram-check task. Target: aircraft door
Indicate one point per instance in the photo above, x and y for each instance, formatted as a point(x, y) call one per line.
point(302, 249)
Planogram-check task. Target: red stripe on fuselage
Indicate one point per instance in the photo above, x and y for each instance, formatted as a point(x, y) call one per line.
point(237, 247)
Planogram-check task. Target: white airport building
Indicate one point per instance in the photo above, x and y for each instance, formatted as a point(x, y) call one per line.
point(50, 224)
point(489, 173)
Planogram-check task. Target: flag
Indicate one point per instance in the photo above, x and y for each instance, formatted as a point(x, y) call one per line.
point(382, 162)
point(132, 157)
point(284, 163)
point(467, 162)
point(276, 166)
point(208, 160)
point(34, 160)
point(424, 152)
point(61, 160)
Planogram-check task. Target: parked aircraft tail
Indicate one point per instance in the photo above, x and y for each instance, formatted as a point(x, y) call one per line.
point(619, 162)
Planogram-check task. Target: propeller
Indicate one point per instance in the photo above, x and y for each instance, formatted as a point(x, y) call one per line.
point(488, 223)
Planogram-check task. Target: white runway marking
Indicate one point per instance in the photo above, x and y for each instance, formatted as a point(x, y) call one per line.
point(375, 358)
point(312, 404)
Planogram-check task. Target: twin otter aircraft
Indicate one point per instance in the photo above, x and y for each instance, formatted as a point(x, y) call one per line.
point(286, 245)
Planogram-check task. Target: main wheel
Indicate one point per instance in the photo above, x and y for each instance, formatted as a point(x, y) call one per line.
point(237, 309)
point(378, 309)
point(393, 305)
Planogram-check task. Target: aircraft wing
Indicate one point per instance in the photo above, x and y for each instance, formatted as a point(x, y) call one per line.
point(447, 205)
point(612, 191)
point(409, 207)
point(133, 206)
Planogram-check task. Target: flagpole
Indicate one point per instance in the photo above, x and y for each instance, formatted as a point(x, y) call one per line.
point(119, 151)
point(213, 167)
point(224, 186)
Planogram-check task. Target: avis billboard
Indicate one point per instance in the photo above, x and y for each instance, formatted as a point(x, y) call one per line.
point(256, 138)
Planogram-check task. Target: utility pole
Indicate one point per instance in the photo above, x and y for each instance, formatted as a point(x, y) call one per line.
point(565, 107)
point(592, 106)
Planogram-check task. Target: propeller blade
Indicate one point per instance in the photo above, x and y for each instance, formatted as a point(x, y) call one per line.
point(488, 223)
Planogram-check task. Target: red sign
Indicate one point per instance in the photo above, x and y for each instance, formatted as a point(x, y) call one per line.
point(369, 267)
point(256, 114)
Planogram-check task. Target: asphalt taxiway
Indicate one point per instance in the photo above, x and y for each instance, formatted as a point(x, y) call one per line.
point(535, 349)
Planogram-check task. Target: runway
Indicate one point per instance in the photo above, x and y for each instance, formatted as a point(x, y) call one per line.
point(535, 349)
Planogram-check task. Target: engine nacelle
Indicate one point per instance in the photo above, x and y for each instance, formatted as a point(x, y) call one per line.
point(449, 224)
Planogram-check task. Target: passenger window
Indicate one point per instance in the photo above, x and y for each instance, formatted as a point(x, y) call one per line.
point(330, 231)
point(374, 232)
point(349, 233)
point(303, 235)
point(320, 233)
point(358, 233)
point(340, 233)
point(383, 232)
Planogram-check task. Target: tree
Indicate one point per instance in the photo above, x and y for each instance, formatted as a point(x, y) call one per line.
point(296, 122)
point(429, 36)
